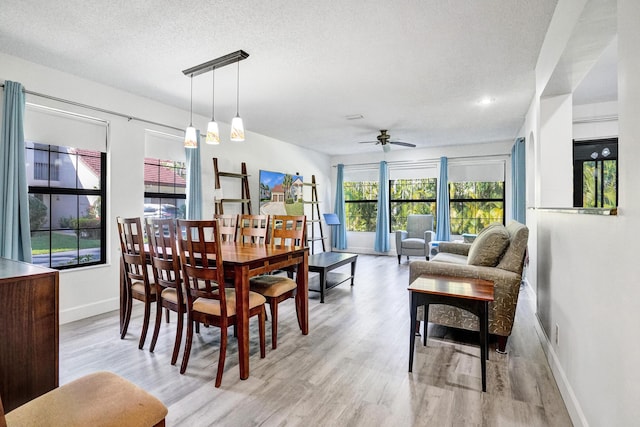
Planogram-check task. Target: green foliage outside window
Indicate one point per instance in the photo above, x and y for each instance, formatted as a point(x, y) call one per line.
point(361, 205)
point(599, 177)
point(411, 196)
point(474, 205)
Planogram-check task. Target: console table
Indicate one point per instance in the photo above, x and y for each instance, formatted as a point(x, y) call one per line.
point(324, 262)
point(473, 295)
point(28, 332)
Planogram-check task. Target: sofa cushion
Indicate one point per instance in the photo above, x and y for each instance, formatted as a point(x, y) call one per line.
point(488, 247)
point(413, 243)
point(515, 253)
point(450, 258)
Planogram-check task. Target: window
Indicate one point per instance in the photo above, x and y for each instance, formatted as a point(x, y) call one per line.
point(475, 204)
point(361, 205)
point(67, 202)
point(165, 188)
point(411, 196)
point(595, 173)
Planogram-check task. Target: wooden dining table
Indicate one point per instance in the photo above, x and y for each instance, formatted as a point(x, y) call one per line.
point(242, 261)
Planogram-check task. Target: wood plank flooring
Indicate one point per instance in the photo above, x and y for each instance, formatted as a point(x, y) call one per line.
point(351, 370)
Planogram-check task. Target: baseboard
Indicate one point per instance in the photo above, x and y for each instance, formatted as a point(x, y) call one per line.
point(88, 310)
point(566, 391)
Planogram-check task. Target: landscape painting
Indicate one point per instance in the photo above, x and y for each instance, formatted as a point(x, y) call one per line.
point(281, 193)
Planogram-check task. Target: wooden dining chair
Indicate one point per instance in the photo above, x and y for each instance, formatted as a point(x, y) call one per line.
point(199, 245)
point(138, 284)
point(161, 235)
point(286, 230)
point(253, 228)
point(228, 226)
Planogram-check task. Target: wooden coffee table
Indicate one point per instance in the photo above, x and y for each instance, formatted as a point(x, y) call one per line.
point(472, 295)
point(324, 262)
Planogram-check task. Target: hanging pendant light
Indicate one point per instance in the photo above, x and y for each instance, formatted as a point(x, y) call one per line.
point(190, 135)
point(213, 133)
point(237, 128)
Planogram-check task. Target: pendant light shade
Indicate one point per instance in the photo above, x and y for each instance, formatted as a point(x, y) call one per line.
point(237, 127)
point(190, 135)
point(213, 133)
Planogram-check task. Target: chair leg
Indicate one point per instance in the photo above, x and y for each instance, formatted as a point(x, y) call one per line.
point(127, 317)
point(261, 329)
point(502, 344)
point(187, 344)
point(223, 354)
point(176, 345)
point(166, 312)
point(298, 315)
point(156, 328)
point(145, 323)
point(273, 306)
point(399, 258)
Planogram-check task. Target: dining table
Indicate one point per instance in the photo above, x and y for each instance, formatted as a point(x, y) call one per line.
point(241, 261)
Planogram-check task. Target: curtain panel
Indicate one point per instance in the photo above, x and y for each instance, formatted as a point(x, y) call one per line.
point(15, 233)
point(194, 181)
point(382, 224)
point(443, 228)
point(339, 232)
point(518, 181)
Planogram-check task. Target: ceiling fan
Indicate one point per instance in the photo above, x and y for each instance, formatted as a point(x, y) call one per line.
point(383, 139)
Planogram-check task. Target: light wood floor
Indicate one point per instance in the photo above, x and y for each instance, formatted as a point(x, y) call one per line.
point(350, 370)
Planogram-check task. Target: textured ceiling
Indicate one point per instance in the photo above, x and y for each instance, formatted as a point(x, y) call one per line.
point(415, 67)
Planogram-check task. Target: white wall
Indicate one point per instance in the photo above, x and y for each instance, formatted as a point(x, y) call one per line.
point(585, 265)
point(92, 290)
point(360, 242)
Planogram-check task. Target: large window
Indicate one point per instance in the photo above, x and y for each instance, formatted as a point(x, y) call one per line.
point(474, 205)
point(164, 189)
point(361, 205)
point(67, 204)
point(411, 196)
point(595, 173)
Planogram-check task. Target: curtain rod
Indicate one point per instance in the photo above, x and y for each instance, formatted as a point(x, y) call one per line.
point(102, 110)
point(501, 157)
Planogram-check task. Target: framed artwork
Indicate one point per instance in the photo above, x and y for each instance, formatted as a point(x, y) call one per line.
point(281, 193)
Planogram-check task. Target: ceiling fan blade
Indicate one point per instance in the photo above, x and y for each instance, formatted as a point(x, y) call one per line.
point(369, 142)
point(406, 144)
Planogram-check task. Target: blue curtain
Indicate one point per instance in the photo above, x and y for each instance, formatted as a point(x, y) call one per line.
point(15, 233)
point(518, 181)
point(443, 228)
point(339, 232)
point(194, 181)
point(382, 225)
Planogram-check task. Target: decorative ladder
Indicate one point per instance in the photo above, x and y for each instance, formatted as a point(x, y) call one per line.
point(315, 217)
point(245, 199)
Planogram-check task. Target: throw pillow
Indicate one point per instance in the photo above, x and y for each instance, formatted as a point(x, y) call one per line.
point(489, 246)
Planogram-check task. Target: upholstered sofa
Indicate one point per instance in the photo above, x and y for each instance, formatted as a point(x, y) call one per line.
point(497, 254)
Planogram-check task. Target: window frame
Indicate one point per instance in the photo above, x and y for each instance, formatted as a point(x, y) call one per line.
point(433, 200)
point(360, 201)
point(49, 191)
point(582, 150)
point(475, 200)
point(163, 196)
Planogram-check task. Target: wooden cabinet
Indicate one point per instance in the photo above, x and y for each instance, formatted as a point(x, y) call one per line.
point(28, 332)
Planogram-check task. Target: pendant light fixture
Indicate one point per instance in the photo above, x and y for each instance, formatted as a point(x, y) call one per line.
point(237, 128)
point(190, 136)
point(213, 133)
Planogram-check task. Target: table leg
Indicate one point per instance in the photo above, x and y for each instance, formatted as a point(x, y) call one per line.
point(353, 270)
point(484, 354)
point(323, 283)
point(302, 292)
point(241, 284)
point(412, 328)
point(426, 324)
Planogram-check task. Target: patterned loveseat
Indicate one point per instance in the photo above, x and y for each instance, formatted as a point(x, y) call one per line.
point(497, 254)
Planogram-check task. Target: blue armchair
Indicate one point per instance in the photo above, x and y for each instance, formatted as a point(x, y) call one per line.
point(414, 241)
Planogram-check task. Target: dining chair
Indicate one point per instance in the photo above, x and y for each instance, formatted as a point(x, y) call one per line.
point(228, 226)
point(136, 274)
point(253, 228)
point(167, 277)
point(208, 301)
point(286, 230)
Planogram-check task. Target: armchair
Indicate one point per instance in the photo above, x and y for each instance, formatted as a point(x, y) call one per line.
point(414, 241)
point(499, 259)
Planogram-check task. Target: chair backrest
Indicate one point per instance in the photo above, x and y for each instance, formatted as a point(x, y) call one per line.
point(228, 225)
point(288, 230)
point(253, 228)
point(163, 250)
point(514, 256)
point(133, 253)
point(417, 224)
point(199, 245)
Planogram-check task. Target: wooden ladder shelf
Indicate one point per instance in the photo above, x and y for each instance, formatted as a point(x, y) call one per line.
point(315, 221)
point(244, 200)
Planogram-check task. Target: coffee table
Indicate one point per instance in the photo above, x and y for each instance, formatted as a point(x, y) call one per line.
point(324, 262)
point(472, 295)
